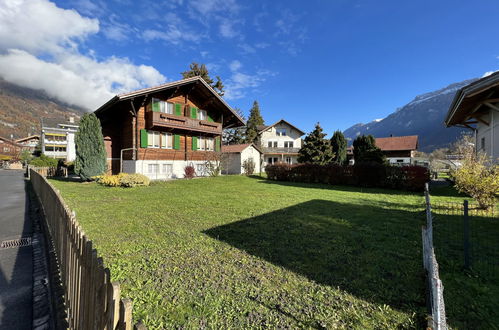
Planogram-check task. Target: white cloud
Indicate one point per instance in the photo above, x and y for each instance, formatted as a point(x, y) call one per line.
point(235, 65)
point(240, 83)
point(38, 27)
point(227, 29)
point(173, 34)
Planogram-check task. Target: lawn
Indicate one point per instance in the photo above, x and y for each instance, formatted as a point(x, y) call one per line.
point(239, 252)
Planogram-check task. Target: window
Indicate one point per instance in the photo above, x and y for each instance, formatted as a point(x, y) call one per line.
point(288, 160)
point(166, 141)
point(153, 139)
point(281, 131)
point(167, 169)
point(482, 144)
point(272, 160)
point(202, 115)
point(400, 160)
point(206, 143)
point(272, 144)
point(288, 144)
point(200, 169)
point(162, 106)
point(153, 168)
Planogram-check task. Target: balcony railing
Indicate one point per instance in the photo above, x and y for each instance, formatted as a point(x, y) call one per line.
point(166, 120)
point(268, 150)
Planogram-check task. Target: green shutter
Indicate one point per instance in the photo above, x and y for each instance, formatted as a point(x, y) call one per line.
point(143, 138)
point(176, 142)
point(194, 143)
point(194, 112)
point(217, 144)
point(209, 118)
point(178, 109)
point(155, 105)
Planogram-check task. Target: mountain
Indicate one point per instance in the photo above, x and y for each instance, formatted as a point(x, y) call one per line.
point(423, 116)
point(22, 108)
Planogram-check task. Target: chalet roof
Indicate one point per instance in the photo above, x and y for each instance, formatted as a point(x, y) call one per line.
point(234, 121)
point(473, 100)
point(11, 142)
point(27, 138)
point(397, 143)
point(262, 128)
point(237, 148)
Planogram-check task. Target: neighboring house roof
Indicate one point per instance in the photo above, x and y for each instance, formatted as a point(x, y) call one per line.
point(472, 100)
point(262, 128)
point(397, 143)
point(236, 121)
point(28, 138)
point(238, 148)
point(55, 122)
point(11, 142)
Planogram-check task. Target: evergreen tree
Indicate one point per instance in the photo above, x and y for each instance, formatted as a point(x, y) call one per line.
point(365, 150)
point(316, 149)
point(196, 69)
point(235, 135)
point(255, 119)
point(339, 148)
point(90, 151)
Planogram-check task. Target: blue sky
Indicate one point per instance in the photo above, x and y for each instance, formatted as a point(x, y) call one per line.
point(336, 62)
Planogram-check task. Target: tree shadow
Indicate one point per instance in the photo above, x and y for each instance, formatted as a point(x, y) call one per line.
point(374, 253)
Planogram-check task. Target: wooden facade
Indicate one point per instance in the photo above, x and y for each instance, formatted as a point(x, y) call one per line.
point(186, 115)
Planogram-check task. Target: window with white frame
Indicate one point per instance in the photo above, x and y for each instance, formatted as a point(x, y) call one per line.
point(202, 115)
point(153, 168)
point(206, 143)
point(288, 160)
point(272, 160)
point(281, 131)
point(167, 169)
point(288, 144)
point(166, 141)
point(153, 139)
point(162, 106)
point(272, 144)
point(200, 169)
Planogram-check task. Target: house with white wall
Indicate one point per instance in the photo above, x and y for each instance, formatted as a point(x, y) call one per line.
point(234, 156)
point(58, 138)
point(280, 142)
point(476, 106)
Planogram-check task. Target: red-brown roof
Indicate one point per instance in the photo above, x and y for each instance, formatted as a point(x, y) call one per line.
point(237, 148)
point(397, 143)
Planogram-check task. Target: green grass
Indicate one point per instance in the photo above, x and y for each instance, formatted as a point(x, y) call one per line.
point(238, 252)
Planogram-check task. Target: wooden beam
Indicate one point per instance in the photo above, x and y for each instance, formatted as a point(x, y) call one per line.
point(482, 121)
point(490, 105)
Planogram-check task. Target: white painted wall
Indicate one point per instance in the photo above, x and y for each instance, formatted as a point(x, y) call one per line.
point(291, 135)
point(235, 160)
point(489, 134)
point(142, 167)
point(70, 148)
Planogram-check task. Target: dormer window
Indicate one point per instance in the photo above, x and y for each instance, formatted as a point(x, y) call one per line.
point(281, 131)
point(202, 115)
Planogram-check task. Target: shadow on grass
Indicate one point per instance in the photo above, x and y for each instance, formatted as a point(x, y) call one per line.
point(371, 252)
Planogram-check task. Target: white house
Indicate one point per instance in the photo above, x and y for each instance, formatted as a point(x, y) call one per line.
point(281, 142)
point(476, 106)
point(58, 138)
point(235, 155)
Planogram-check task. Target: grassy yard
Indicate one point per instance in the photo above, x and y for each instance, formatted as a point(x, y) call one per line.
point(238, 252)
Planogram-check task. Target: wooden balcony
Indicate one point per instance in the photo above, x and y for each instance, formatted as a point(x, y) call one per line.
point(165, 120)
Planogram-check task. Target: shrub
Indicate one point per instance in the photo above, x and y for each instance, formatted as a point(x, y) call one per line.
point(189, 172)
point(365, 175)
point(249, 166)
point(478, 180)
point(134, 180)
point(44, 161)
point(122, 180)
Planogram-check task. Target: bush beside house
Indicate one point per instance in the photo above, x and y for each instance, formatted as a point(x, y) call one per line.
point(376, 175)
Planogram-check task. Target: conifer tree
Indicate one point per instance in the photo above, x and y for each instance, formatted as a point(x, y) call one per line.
point(365, 150)
point(255, 119)
point(316, 149)
point(90, 151)
point(196, 69)
point(339, 148)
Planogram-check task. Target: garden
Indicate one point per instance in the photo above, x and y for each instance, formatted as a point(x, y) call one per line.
point(245, 252)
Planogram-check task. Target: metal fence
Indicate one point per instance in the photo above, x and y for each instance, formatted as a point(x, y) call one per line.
point(91, 300)
point(469, 235)
point(435, 289)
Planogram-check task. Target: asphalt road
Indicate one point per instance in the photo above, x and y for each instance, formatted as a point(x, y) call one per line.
point(16, 266)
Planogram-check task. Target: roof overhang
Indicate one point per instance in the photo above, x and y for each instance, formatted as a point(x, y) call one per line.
point(232, 120)
point(472, 101)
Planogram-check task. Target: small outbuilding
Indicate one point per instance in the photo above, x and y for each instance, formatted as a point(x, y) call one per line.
point(235, 155)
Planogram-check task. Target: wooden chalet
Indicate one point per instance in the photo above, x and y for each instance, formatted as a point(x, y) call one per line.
point(158, 131)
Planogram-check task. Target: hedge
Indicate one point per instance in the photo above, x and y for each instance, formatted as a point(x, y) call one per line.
point(375, 175)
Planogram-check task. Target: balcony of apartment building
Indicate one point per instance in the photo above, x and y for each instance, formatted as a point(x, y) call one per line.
point(274, 147)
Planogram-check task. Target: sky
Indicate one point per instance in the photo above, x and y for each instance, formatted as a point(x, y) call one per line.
point(335, 62)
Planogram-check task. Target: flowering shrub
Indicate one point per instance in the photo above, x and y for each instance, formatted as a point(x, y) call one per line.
point(122, 180)
point(365, 175)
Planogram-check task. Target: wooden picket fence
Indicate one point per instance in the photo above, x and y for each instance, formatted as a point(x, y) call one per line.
point(49, 171)
point(91, 300)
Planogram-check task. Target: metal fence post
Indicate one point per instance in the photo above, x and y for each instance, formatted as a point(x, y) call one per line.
point(467, 255)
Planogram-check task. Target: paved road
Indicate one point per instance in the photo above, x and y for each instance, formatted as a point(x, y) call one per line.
point(16, 266)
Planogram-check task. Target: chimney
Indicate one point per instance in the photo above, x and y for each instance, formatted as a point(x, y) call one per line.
point(72, 120)
point(391, 135)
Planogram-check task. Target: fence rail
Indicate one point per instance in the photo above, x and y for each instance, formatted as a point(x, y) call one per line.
point(435, 287)
point(91, 300)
